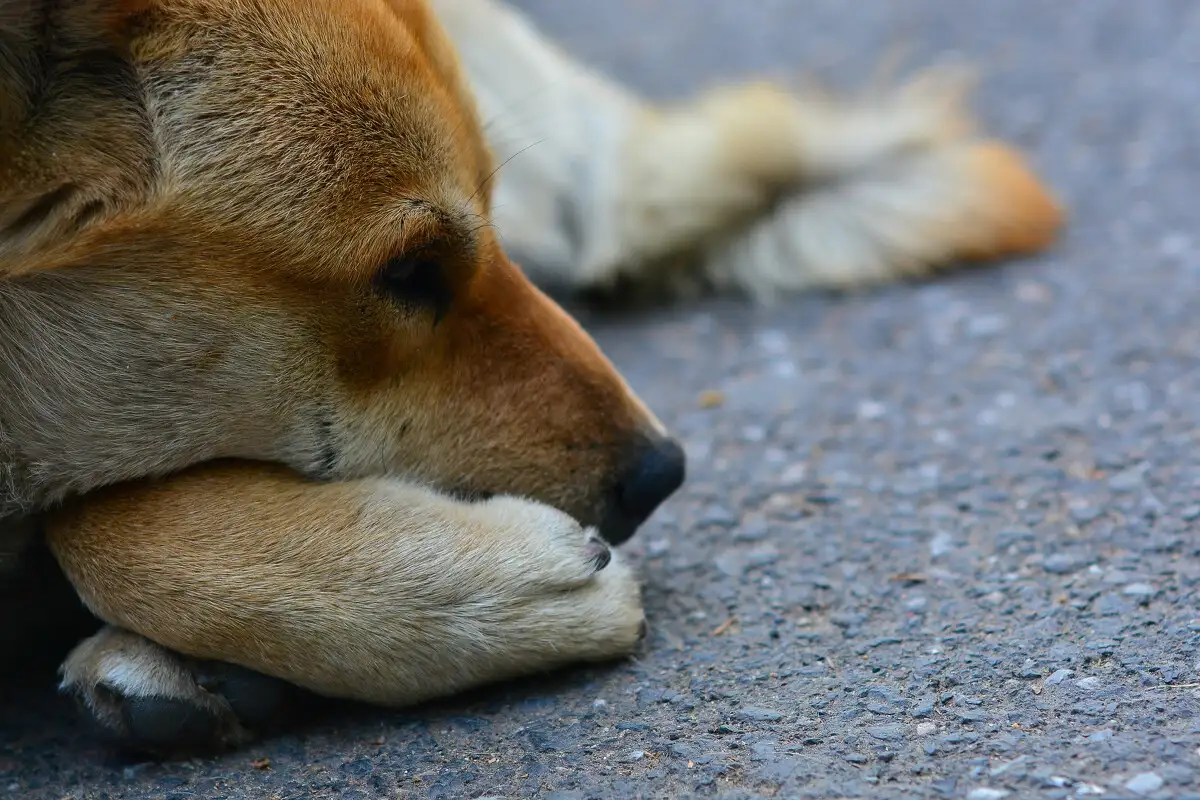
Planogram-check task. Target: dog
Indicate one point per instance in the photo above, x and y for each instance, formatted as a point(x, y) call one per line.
point(274, 391)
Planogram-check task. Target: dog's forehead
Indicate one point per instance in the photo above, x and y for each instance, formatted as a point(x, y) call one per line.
point(352, 108)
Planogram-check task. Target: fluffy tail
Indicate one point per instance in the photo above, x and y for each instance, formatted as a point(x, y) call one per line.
point(969, 201)
point(763, 191)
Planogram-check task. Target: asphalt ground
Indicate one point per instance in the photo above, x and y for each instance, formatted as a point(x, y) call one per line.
point(938, 540)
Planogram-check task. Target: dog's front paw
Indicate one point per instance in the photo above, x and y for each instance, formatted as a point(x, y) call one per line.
point(568, 593)
point(151, 700)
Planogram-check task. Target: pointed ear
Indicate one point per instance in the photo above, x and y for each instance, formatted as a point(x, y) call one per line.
point(75, 138)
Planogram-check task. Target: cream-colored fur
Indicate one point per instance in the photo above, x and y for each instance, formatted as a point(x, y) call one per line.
point(380, 588)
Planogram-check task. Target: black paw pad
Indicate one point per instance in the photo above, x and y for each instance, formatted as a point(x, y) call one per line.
point(165, 725)
point(259, 701)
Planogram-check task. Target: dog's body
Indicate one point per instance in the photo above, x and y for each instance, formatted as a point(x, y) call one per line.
point(264, 358)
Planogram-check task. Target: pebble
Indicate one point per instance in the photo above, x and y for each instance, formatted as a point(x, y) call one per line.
point(942, 543)
point(1128, 480)
point(752, 530)
point(1102, 735)
point(1083, 512)
point(926, 728)
point(1058, 676)
point(1138, 590)
point(755, 714)
point(1190, 514)
point(923, 708)
point(657, 547)
point(887, 733)
point(985, 793)
point(1144, 783)
point(1059, 564)
point(986, 325)
point(1088, 683)
point(717, 515)
point(1029, 670)
point(871, 410)
point(635, 755)
point(884, 694)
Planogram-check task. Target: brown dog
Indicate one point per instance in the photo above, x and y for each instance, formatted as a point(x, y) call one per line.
point(275, 393)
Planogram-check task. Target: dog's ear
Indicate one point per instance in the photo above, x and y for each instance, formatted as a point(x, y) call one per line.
point(75, 136)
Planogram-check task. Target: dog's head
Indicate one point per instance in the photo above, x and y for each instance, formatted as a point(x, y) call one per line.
point(259, 229)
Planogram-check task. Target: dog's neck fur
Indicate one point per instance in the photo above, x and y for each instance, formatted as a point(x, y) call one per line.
point(102, 380)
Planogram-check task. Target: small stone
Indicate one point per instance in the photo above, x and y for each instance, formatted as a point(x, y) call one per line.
point(1190, 513)
point(986, 325)
point(635, 755)
point(1088, 684)
point(657, 547)
point(856, 758)
point(754, 434)
point(754, 714)
point(1058, 676)
point(1101, 645)
point(1029, 670)
point(942, 543)
point(887, 733)
point(871, 410)
point(926, 728)
point(923, 708)
point(883, 708)
point(1059, 564)
point(599, 705)
point(1102, 735)
point(1007, 766)
point(1083, 512)
point(731, 563)
point(1138, 590)
point(752, 530)
point(717, 515)
point(764, 750)
point(985, 793)
point(1144, 783)
point(1127, 480)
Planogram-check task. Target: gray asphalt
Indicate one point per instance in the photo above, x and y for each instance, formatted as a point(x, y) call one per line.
point(938, 541)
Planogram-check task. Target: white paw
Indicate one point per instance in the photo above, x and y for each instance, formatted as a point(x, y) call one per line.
point(569, 591)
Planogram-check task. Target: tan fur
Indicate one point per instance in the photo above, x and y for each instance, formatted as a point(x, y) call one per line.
point(371, 590)
point(268, 459)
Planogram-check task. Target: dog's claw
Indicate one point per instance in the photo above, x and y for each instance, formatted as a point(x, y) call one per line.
point(598, 554)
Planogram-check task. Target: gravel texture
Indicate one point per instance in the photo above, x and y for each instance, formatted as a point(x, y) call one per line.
point(937, 541)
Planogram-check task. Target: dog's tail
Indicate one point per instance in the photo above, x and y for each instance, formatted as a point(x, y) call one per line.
point(766, 191)
point(901, 219)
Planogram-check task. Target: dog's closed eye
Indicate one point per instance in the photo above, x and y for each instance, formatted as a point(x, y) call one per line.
point(417, 279)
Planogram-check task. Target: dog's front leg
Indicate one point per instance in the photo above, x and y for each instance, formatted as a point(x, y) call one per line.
point(371, 590)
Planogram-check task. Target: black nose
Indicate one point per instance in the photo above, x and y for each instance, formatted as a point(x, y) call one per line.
point(654, 476)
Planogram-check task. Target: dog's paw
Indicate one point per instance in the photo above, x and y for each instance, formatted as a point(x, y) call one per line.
point(151, 700)
point(567, 590)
